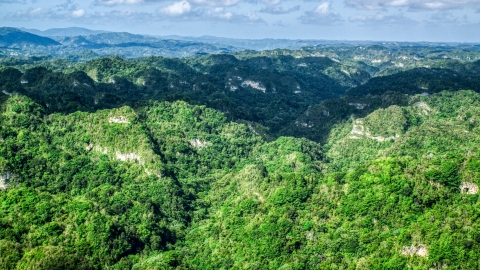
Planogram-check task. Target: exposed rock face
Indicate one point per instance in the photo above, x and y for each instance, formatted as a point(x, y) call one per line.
point(254, 85)
point(301, 124)
point(359, 106)
point(419, 250)
point(252, 130)
point(119, 120)
point(127, 157)
point(199, 144)
point(468, 188)
point(5, 176)
point(422, 105)
point(359, 129)
point(89, 147)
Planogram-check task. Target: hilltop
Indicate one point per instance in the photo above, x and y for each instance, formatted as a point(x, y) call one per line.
point(12, 37)
point(325, 157)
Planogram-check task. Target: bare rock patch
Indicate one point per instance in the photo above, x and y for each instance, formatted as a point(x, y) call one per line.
point(254, 85)
point(468, 188)
point(197, 143)
point(128, 157)
point(119, 120)
point(418, 250)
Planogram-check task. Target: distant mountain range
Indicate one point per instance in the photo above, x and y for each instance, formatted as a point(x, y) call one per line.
point(63, 32)
point(249, 44)
point(81, 44)
point(12, 37)
point(72, 42)
point(254, 44)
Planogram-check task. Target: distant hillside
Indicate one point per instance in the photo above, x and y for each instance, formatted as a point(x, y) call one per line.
point(101, 44)
point(14, 37)
point(253, 44)
point(64, 32)
point(76, 41)
point(119, 38)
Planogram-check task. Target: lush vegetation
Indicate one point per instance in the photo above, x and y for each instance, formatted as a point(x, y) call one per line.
point(137, 164)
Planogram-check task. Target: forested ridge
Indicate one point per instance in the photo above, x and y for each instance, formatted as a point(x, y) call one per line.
point(250, 160)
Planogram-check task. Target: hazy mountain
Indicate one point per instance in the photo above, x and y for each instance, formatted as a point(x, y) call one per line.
point(76, 41)
point(64, 32)
point(14, 37)
point(121, 43)
point(252, 44)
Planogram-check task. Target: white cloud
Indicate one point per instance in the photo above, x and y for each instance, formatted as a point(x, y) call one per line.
point(272, 2)
point(447, 17)
point(215, 3)
point(280, 24)
point(323, 14)
point(118, 2)
point(279, 10)
point(323, 8)
point(177, 9)
point(27, 14)
point(380, 20)
point(10, 1)
point(211, 3)
point(185, 11)
point(78, 13)
point(413, 4)
point(219, 14)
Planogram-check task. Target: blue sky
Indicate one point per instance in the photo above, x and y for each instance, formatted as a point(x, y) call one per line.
point(389, 20)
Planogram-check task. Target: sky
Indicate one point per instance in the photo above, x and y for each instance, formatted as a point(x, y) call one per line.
point(380, 20)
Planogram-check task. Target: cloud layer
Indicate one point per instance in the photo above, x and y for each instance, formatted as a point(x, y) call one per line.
point(281, 16)
point(413, 4)
point(323, 14)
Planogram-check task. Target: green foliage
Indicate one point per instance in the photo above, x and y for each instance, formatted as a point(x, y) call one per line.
point(89, 183)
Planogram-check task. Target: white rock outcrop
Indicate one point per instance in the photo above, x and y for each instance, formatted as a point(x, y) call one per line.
point(197, 143)
point(359, 129)
point(468, 188)
point(424, 106)
point(3, 177)
point(127, 157)
point(359, 106)
point(419, 250)
point(254, 85)
point(89, 147)
point(119, 120)
point(253, 130)
point(302, 124)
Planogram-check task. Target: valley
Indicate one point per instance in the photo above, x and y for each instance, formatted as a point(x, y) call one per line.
point(330, 155)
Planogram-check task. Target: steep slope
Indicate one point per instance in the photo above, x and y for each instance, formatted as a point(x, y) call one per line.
point(173, 185)
point(408, 201)
point(12, 37)
point(244, 90)
point(110, 180)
